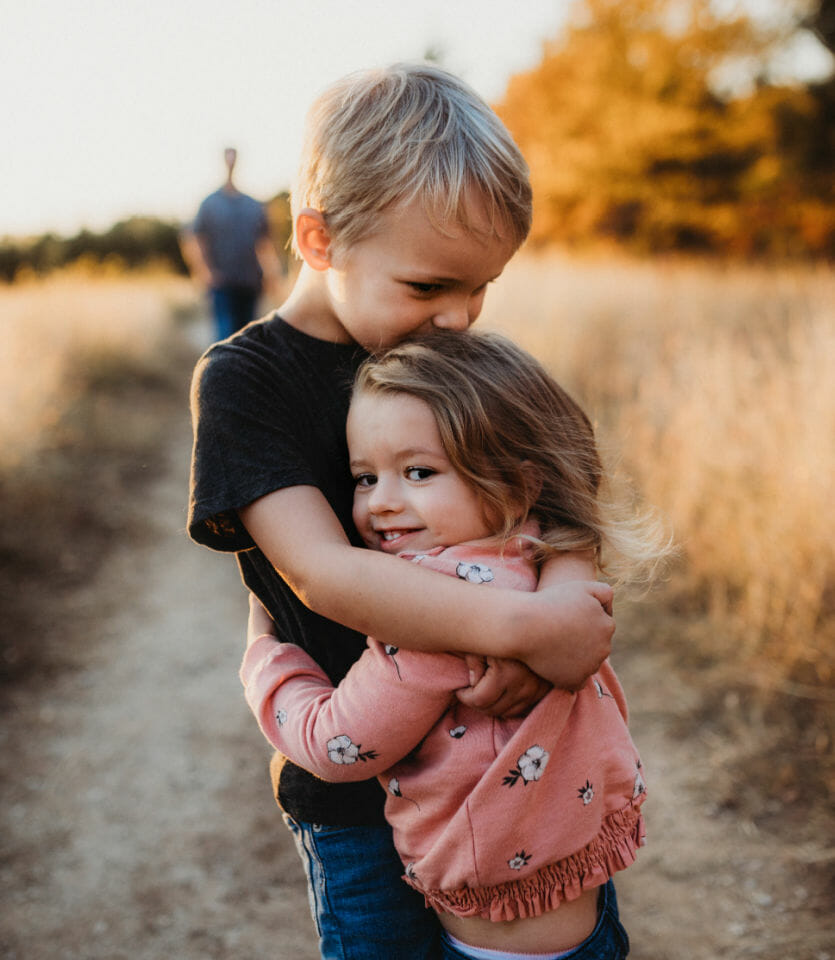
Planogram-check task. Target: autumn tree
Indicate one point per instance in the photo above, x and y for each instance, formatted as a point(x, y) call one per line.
point(638, 129)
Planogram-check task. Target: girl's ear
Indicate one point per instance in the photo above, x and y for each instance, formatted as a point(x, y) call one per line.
point(313, 238)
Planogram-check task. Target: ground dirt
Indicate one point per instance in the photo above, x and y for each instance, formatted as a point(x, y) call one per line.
point(136, 817)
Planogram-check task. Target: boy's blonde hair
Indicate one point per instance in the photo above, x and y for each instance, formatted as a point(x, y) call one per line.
point(411, 130)
point(522, 442)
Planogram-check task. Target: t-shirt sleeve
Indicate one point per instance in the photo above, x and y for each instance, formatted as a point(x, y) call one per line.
point(247, 443)
point(198, 224)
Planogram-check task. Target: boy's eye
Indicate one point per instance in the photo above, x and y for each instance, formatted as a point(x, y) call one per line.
point(419, 473)
point(365, 480)
point(425, 289)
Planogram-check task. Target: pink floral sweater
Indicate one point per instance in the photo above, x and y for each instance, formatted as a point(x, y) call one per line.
point(491, 818)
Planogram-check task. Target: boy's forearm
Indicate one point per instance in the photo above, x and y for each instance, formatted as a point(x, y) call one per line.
point(406, 606)
point(562, 633)
point(394, 601)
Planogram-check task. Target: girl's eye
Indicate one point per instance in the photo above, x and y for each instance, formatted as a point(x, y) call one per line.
point(365, 480)
point(419, 473)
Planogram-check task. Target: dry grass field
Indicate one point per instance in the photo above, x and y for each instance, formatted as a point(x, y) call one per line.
point(87, 373)
point(65, 332)
point(712, 392)
point(711, 389)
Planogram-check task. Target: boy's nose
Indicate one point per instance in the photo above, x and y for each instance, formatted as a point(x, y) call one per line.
point(454, 318)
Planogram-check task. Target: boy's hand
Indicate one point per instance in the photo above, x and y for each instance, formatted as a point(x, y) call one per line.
point(501, 688)
point(259, 622)
point(580, 632)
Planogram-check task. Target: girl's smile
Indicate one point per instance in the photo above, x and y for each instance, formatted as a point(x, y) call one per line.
point(408, 496)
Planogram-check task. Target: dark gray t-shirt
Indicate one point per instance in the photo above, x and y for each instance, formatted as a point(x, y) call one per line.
point(269, 409)
point(230, 225)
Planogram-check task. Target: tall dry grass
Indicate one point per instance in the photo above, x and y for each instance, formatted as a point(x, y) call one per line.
point(63, 332)
point(716, 387)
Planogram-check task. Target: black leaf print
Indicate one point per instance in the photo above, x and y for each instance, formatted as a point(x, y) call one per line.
point(392, 652)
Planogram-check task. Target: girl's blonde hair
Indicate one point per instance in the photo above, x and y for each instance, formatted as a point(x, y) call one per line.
point(523, 443)
point(411, 130)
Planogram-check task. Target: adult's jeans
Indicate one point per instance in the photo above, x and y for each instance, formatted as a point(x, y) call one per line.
point(362, 908)
point(232, 308)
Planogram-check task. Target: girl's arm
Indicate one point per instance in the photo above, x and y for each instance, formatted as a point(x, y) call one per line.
point(380, 711)
point(562, 632)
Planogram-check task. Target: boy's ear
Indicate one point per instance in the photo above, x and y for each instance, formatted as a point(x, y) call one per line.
point(313, 238)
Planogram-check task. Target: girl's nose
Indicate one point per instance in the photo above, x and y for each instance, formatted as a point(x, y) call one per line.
point(384, 498)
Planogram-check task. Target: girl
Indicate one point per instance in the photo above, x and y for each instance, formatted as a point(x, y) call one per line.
point(468, 458)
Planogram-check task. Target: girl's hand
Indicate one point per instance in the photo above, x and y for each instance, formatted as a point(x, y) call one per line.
point(259, 622)
point(501, 688)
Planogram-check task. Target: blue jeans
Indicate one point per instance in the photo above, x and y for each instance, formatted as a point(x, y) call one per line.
point(362, 908)
point(232, 308)
point(608, 940)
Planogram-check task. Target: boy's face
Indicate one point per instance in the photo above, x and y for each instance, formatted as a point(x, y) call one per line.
point(408, 496)
point(408, 277)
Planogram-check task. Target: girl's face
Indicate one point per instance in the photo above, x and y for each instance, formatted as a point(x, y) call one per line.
point(407, 494)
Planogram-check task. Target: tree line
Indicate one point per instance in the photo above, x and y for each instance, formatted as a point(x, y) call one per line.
point(131, 244)
point(135, 243)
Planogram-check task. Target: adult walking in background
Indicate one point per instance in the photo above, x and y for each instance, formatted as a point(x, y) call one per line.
point(228, 249)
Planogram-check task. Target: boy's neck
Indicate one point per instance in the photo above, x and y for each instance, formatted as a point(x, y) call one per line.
point(310, 310)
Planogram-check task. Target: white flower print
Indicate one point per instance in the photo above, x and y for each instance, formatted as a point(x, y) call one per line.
point(530, 766)
point(586, 793)
point(458, 732)
point(410, 871)
point(474, 572)
point(281, 717)
point(519, 860)
point(640, 785)
point(342, 750)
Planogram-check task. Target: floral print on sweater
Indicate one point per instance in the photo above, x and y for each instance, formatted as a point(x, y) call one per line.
point(493, 818)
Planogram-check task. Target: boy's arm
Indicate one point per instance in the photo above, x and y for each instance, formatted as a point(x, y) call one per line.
point(380, 711)
point(507, 688)
point(563, 632)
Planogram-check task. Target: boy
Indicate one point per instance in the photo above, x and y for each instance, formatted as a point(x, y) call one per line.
point(411, 198)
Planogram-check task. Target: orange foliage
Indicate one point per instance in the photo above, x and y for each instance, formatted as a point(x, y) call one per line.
point(629, 141)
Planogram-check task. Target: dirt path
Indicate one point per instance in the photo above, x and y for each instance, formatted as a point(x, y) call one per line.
point(137, 821)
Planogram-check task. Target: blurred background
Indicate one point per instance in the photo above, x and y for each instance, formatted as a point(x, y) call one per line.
point(678, 279)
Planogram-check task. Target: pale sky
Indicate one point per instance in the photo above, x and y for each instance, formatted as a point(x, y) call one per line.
point(111, 108)
point(118, 107)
